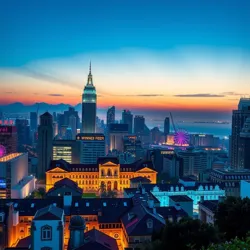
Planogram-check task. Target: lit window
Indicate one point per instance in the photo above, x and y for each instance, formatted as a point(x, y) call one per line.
point(46, 233)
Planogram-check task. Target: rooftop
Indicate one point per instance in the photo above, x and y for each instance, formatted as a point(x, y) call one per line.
point(10, 157)
point(23, 182)
point(95, 239)
point(210, 204)
point(180, 198)
point(50, 212)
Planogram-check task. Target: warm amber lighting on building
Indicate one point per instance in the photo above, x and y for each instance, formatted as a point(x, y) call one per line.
point(10, 157)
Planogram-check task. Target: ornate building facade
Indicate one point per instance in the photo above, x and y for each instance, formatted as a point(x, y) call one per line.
point(107, 171)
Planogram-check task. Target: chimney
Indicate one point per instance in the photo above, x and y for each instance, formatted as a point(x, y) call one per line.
point(67, 199)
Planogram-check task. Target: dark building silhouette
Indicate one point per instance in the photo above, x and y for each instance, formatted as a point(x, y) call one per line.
point(68, 114)
point(139, 124)
point(45, 140)
point(166, 126)
point(89, 106)
point(238, 119)
point(244, 146)
point(127, 118)
point(33, 121)
point(111, 115)
point(23, 133)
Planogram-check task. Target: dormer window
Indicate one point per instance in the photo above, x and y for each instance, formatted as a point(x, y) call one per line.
point(149, 223)
point(46, 233)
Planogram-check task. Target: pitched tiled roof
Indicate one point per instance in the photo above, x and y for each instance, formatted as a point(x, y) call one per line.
point(49, 213)
point(24, 243)
point(96, 240)
point(210, 204)
point(137, 219)
point(66, 182)
point(180, 198)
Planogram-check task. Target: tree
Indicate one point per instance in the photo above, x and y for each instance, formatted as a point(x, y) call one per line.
point(38, 193)
point(188, 234)
point(235, 244)
point(233, 217)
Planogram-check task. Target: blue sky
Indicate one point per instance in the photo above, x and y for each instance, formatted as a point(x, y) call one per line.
point(32, 30)
point(186, 54)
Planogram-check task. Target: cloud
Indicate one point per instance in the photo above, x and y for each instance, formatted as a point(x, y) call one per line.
point(144, 95)
point(232, 93)
point(9, 92)
point(44, 76)
point(55, 95)
point(200, 95)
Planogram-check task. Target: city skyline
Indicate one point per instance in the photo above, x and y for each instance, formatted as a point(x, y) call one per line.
point(193, 58)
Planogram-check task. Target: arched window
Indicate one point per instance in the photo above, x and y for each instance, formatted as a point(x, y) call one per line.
point(109, 172)
point(46, 233)
point(102, 172)
point(115, 172)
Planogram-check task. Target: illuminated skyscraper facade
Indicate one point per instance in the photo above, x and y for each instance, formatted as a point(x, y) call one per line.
point(238, 120)
point(89, 106)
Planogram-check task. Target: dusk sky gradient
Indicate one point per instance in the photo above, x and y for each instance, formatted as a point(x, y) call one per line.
point(189, 55)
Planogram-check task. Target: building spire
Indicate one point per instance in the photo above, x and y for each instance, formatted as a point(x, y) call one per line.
point(90, 80)
point(90, 68)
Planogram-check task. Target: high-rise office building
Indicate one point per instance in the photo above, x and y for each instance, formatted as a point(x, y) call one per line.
point(45, 137)
point(14, 175)
point(111, 115)
point(68, 150)
point(33, 121)
point(92, 147)
point(73, 126)
point(8, 139)
point(127, 118)
point(132, 145)
point(238, 119)
point(116, 134)
point(244, 146)
point(139, 124)
point(89, 106)
point(68, 114)
point(166, 126)
point(23, 133)
point(156, 136)
point(194, 161)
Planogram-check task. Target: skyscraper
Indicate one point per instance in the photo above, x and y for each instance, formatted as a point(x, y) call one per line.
point(89, 106)
point(244, 146)
point(92, 146)
point(238, 120)
point(116, 134)
point(111, 115)
point(127, 118)
point(72, 125)
point(166, 126)
point(33, 121)
point(23, 133)
point(139, 124)
point(45, 137)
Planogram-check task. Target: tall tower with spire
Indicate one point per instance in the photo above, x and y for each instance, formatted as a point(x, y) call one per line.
point(89, 106)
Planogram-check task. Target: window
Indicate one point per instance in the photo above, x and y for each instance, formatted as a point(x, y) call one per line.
point(46, 233)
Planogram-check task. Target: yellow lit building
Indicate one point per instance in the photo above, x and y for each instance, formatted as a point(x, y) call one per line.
point(107, 171)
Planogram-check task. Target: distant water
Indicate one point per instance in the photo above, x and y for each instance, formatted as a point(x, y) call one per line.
point(220, 130)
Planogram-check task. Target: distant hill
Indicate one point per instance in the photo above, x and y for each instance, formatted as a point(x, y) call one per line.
point(18, 107)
